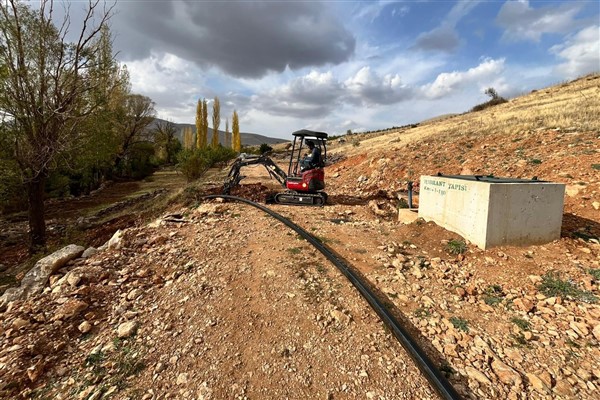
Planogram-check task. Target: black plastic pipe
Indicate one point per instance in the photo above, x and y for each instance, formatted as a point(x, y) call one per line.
point(427, 367)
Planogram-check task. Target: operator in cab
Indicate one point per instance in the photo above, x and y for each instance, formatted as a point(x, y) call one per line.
point(312, 160)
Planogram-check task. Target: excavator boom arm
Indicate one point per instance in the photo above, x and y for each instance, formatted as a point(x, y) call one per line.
point(234, 177)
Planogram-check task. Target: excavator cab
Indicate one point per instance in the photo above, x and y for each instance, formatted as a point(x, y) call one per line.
point(306, 180)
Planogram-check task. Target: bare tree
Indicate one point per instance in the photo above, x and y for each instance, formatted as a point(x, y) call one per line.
point(45, 90)
point(164, 135)
point(138, 114)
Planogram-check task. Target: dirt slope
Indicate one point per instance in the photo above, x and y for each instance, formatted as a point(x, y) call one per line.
point(228, 304)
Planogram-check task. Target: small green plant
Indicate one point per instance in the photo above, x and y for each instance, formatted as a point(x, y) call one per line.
point(422, 312)
point(596, 167)
point(595, 273)
point(355, 142)
point(519, 340)
point(294, 250)
point(460, 323)
point(535, 161)
point(493, 295)
point(94, 359)
point(456, 246)
point(523, 324)
point(552, 285)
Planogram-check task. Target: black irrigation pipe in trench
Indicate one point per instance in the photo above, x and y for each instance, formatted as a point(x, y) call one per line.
point(431, 372)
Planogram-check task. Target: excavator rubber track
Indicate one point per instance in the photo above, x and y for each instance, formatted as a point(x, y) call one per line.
point(301, 199)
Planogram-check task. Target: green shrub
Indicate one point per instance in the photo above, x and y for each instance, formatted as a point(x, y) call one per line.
point(495, 100)
point(264, 148)
point(193, 163)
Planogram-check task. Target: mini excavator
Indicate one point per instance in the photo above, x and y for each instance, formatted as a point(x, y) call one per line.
point(304, 186)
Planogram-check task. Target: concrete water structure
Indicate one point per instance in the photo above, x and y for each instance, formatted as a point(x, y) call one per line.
point(490, 211)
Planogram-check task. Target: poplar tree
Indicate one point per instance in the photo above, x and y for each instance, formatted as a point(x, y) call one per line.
point(216, 120)
point(227, 134)
point(200, 143)
point(205, 122)
point(237, 140)
point(188, 138)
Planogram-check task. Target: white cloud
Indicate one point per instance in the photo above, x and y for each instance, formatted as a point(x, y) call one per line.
point(484, 75)
point(373, 9)
point(580, 52)
point(369, 88)
point(522, 22)
point(319, 94)
point(445, 37)
point(171, 82)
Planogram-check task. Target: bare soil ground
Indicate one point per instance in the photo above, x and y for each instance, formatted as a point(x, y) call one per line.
point(226, 303)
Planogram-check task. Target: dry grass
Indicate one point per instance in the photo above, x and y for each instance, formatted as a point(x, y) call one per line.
point(567, 107)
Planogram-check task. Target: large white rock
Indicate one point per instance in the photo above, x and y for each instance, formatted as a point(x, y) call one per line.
point(34, 281)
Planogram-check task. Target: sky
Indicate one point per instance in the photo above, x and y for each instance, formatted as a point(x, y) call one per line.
point(338, 65)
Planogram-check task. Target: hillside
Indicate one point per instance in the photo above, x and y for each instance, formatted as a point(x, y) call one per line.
point(248, 139)
point(216, 300)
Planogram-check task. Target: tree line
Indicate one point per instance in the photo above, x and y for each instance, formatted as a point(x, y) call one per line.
point(198, 153)
point(68, 118)
point(199, 139)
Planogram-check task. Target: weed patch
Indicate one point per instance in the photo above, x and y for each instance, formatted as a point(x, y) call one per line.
point(493, 295)
point(523, 324)
point(595, 273)
point(294, 250)
point(552, 285)
point(456, 247)
point(460, 323)
point(422, 312)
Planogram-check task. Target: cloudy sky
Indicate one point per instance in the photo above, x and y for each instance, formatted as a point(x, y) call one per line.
point(339, 65)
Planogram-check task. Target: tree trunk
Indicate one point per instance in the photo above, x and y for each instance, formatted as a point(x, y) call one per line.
point(37, 224)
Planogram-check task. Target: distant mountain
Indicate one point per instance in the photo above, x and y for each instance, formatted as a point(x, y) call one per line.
point(248, 139)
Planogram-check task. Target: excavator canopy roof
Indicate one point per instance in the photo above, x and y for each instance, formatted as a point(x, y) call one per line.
point(305, 132)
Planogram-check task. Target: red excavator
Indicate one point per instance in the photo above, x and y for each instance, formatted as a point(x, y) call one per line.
point(304, 181)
